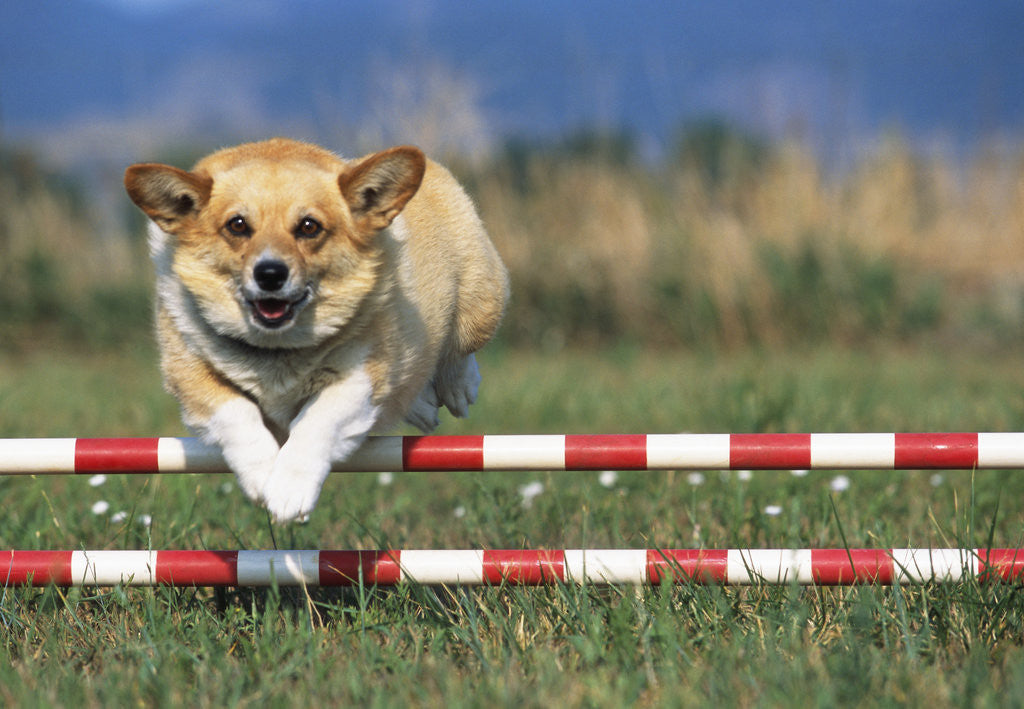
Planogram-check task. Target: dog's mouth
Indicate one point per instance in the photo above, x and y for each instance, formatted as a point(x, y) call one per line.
point(274, 313)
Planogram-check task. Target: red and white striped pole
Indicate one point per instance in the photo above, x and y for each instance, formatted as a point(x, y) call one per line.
point(709, 451)
point(471, 567)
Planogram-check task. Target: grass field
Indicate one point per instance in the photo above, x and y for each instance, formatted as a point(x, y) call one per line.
point(770, 646)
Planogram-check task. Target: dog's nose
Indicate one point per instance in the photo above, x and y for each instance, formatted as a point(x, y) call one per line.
point(270, 274)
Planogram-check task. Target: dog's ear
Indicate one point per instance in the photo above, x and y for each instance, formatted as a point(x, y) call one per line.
point(166, 194)
point(378, 186)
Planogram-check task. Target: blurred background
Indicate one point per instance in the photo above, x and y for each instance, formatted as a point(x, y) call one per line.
point(669, 174)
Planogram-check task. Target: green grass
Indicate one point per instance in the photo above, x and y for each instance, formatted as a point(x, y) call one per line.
point(772, 646)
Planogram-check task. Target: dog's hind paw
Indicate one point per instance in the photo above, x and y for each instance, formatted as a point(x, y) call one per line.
point(423, 412)
point(458, 385)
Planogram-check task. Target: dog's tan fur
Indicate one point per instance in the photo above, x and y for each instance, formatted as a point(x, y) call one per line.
point(392, 285)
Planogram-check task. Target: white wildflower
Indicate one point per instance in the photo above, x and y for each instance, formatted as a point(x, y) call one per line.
point(101, 507)
point(799, 473)
point(97, 480)
point(744, 475)
point(773, 510)
point(530, 491)
point(695, 479)
point(839, 483)
point(608, 478)
point(119, 517)
point(385, 478)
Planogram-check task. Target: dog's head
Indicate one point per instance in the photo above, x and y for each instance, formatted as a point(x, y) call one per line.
point(275, 240)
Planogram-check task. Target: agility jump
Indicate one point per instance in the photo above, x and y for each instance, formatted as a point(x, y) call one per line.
point(705, 451)
point(477, 567)
point(314, 568)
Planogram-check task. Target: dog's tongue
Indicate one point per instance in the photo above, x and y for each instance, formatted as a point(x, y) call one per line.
point(272, 308)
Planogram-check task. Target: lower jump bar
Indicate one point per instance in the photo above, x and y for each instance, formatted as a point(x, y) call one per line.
point(826, 567)
point(713, 451)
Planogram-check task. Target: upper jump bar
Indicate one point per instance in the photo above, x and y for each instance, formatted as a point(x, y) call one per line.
point(687, 451)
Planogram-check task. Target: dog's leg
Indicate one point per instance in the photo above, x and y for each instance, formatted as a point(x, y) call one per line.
point(457, 384)
point(330, 427)
point(217, 411)
point(248, 447)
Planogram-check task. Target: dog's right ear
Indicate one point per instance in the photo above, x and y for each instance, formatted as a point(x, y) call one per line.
point(166, 194)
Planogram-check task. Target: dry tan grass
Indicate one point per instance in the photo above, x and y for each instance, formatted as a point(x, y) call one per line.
point(60, 276)
point(613, 235)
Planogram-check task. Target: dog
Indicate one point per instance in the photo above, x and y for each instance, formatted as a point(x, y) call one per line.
point(305, 301)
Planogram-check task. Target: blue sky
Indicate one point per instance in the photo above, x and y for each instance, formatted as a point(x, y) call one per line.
point(81, 76)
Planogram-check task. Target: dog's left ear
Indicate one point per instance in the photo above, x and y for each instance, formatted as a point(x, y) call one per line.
point(166, 194)
point(378, 186)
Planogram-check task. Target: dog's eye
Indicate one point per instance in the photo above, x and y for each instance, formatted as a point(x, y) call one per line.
point(308, 228)
point(237, 226)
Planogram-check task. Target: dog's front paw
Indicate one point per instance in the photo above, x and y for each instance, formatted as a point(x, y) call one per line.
point(293, 487)
point(248, 447)
point(252, 465)
point(458, 386)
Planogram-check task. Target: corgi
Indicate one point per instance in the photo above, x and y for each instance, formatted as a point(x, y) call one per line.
point(305, 301)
